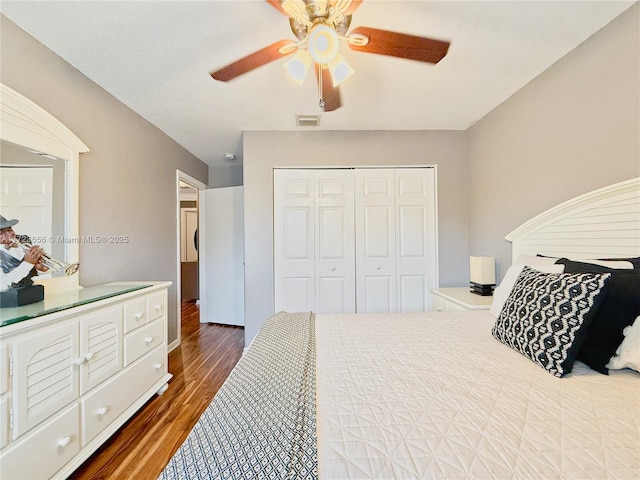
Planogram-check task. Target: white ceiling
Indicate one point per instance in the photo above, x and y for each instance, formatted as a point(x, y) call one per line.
point(156, 56)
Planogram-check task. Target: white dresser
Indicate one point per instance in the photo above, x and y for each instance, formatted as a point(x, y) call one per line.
point(458, 298)
point(74, 369)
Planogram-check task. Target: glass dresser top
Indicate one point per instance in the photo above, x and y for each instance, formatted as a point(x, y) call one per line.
point(64, 300)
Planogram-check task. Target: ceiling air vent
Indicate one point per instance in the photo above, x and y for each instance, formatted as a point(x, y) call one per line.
point(307, 120)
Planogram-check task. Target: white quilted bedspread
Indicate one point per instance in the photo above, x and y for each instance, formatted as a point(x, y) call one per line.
point(434, 395)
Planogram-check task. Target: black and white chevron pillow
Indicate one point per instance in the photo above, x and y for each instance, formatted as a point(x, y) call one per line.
point(546, 316)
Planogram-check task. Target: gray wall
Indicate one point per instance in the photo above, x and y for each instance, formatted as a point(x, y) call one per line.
point(571, 130)
point(127, 180)
point(265, 150)
point(225, 176)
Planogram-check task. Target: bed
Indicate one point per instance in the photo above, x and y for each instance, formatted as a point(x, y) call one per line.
point(505, 393)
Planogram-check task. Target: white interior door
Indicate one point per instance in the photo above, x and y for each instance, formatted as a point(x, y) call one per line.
point(26, 193)
point(188, 226)
point(221, 245)
point(294, 240)
point(375, 217)
point(350, 240)
point(415, 238)
point(334, 233)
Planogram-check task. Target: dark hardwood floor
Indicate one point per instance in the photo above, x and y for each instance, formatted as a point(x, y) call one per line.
point(144, 445)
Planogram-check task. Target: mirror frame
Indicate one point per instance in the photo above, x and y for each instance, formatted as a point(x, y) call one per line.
point(26, 124)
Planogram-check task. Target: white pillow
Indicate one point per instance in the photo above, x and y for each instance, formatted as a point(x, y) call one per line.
point(618, 264)
point(502, 291)
point(628, 353)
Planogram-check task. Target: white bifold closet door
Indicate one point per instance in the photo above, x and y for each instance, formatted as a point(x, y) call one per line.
point(395, 239)
point(348, 240)
point(314, 241)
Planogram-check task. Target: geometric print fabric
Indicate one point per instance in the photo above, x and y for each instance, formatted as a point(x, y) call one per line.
point(546, 316)
point(261, 423)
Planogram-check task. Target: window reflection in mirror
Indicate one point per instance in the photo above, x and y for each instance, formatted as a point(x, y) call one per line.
point(32, 190)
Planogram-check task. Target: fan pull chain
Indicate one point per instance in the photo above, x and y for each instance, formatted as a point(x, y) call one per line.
point(321, 102)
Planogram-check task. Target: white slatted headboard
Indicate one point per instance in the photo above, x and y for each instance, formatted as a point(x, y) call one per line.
point(604, 223)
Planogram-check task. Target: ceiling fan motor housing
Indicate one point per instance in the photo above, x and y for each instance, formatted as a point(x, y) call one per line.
point(319, 12)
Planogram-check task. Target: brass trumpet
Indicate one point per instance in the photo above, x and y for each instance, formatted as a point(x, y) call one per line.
point(51, 263)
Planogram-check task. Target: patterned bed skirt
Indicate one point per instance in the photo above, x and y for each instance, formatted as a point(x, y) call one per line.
point(261, 423)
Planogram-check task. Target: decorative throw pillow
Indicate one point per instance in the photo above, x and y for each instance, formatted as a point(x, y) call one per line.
point(619, 308)
point(502, 291)
point(628, 353)
point(546, 315)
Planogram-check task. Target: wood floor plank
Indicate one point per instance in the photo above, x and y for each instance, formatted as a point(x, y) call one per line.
point(144, 445)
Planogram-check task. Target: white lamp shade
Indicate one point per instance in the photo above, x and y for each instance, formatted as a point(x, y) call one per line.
point(482, 270)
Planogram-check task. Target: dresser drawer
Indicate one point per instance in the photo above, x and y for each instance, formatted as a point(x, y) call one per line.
point(439, 304)
point(135, 314)
point(143, 340)
point(108, 402)
point(156, 305)
point(45, 450)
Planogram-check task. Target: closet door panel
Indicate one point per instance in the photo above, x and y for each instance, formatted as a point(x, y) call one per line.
point(335, 257)
point(416, 233)
point(375, 240)
point(294, 242)
point(378, 291)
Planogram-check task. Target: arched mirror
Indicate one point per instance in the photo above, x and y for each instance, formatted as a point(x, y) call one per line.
point(39, 159)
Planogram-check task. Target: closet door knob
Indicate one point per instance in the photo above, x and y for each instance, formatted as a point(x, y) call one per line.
point(79, 360)
point(89, 355)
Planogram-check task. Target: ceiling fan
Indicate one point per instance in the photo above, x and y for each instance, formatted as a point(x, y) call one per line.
point(319, 25)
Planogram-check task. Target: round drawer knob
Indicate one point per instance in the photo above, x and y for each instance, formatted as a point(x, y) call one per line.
point(378, 267)
point(438, 309)
point(158, 308)
point(333, 269)
point(148, 340)
point(138, 315)
point(102, 410)
point(157, 366)
point(63, 442)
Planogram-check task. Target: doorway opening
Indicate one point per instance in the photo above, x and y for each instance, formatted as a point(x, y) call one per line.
point(187, 255)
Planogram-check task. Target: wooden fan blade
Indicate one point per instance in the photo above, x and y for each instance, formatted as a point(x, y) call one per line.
point(330, 94)
point(251, 62)
point(277, 4)
point(401, 45)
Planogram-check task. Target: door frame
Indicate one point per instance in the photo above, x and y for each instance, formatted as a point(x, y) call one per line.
point(198, 185)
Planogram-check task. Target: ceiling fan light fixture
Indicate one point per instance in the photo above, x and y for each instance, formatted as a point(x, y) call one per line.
point(297, 67)
point(340, 70)
point(323, 43)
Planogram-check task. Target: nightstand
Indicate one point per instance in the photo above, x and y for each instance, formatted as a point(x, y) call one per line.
point(458, 298)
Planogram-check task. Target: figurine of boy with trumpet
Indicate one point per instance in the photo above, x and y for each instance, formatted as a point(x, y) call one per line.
point(17, 268)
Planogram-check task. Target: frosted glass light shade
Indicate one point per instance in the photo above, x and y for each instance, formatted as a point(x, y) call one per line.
point(323, 43)
point(297, 67)
point(482, 270)
point(340, 70)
